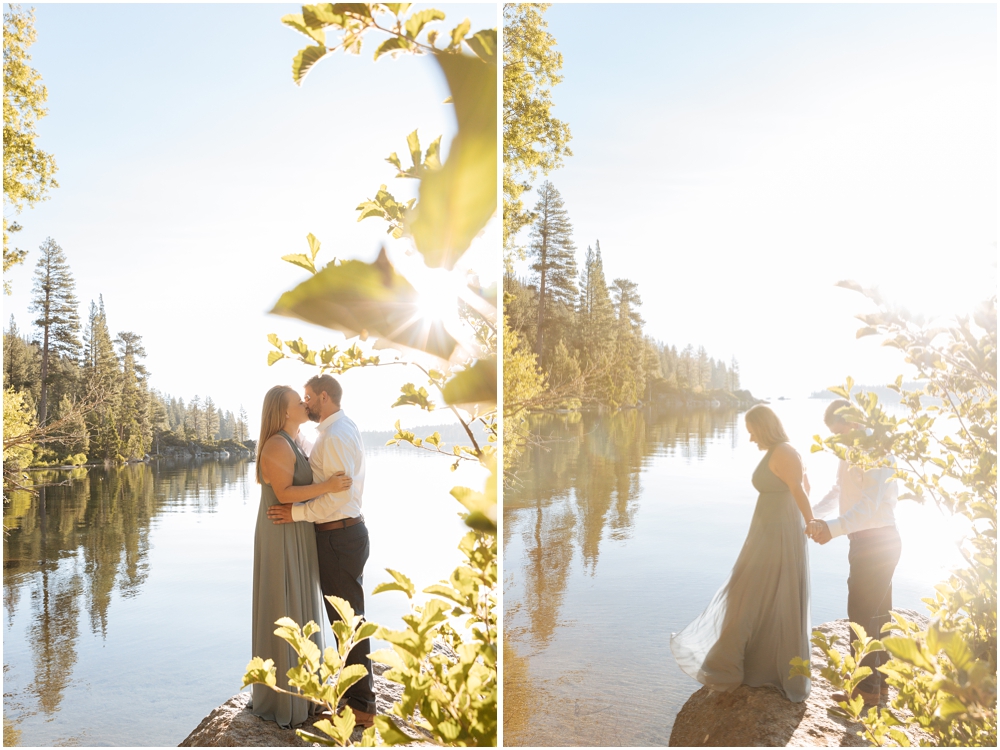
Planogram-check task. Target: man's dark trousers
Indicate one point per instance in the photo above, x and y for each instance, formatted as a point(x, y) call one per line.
point(342, 556)
point(873, 556)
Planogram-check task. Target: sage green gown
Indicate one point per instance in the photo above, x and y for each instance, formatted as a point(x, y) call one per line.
point(285, 584)
point(759, 620)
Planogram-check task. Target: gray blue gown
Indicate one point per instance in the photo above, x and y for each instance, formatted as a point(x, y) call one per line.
point(759, 620)
point(285, 584)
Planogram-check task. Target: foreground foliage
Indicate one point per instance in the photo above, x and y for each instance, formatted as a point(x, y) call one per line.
point(945, 448)
point(28, 172)
point(445, 656)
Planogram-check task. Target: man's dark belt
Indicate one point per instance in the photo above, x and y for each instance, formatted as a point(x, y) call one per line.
point(343, 523)
point(872, 533)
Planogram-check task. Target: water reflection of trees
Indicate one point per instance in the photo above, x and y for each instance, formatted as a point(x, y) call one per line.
point(579, 485)
point(72, 547)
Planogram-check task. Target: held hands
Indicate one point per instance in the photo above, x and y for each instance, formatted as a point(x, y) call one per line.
point(818, 531)
point(338, 483)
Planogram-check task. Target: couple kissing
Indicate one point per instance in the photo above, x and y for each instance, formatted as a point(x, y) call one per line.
point(311, 540)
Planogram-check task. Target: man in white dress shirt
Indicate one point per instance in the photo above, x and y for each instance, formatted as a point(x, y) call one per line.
point(341, 534)
point(865, 502)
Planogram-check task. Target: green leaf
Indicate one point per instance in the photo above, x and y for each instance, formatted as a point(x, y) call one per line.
point(484, 44)
point(390, 733)
point(393, 44)
point(908, 650)
point(297, 22)
point(397, 8)
point(313, 245)
point(458, 33)
point(367, 298)
point(273, 339)
point(304, 60)
point(273, 357)
point(260, 671)
point(388, 657)
point(348, 676)
point(475, 385)
point(403, 581)
point(300, 260)
point(388, 586)
point(321, 15)
point(950, 706)
point(413, 143)
point(415, 23)
point(458, 200)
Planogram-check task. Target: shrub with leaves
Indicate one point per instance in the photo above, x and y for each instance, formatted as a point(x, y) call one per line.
point(945, 449)
point(449, 692)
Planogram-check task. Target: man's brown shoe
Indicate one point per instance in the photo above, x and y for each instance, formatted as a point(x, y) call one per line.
point(870, 699)
point(362, 718)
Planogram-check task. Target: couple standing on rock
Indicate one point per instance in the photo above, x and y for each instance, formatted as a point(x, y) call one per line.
point(759, 621)
point(311, 540)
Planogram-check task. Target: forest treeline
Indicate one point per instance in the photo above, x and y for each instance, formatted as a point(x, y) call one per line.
point(92, 386)
point(587, 334)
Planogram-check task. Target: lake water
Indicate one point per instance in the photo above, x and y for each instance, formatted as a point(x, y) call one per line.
point(127, 592)
point(618, 531)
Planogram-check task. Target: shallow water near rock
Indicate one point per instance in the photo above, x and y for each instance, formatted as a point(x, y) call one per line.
point(618, 531)
point(129, 590)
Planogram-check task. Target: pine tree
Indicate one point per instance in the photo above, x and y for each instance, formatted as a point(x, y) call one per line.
point(242, 429)
point(20, 362)
point(734, 376)
point(103, 380)
point(211, 419)
point(134, 426)
point(54, 299)
point(554, 254)
point(196, 418)
point(596, 315)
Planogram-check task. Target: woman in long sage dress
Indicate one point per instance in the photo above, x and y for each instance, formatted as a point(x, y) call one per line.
point(285, 568)
point(758, 621)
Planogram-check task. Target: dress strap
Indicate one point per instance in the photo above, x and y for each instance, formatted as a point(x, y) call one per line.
point(295, 447)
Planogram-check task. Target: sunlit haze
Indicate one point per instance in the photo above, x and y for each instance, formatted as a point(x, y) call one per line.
point(738, 160)
point(189, 163)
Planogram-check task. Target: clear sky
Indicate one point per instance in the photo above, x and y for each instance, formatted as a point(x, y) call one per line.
point(189, 163)
point(737, 160)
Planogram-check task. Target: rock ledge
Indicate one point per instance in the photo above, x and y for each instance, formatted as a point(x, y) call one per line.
point(763, 717)
point(232, 724)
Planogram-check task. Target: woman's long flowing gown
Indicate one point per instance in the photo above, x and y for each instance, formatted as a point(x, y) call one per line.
point(285, 584)
point(758, 621)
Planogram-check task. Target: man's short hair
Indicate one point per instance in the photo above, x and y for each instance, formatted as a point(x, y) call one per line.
point(326, 384)
point(831, 415)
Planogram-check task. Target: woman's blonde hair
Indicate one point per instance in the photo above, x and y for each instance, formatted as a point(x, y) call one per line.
point(272, 417)
point(766, 425)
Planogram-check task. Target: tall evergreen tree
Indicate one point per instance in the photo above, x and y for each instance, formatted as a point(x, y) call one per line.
point(54, 299)
point(242, 428)
point(595, 320)
point(20, 362)
point(103, 381)
point(211, 419)
point(135, 430)
point(196, 418)
point(554, 265)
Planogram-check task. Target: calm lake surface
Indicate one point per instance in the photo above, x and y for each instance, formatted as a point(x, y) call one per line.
point(127, 592)
point(618, 532)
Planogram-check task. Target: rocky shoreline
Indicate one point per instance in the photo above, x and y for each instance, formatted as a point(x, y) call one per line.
point(763, 717)
point(233, 725)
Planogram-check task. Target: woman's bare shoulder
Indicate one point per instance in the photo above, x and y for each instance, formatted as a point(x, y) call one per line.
point(784, 453)
point(276, 446)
